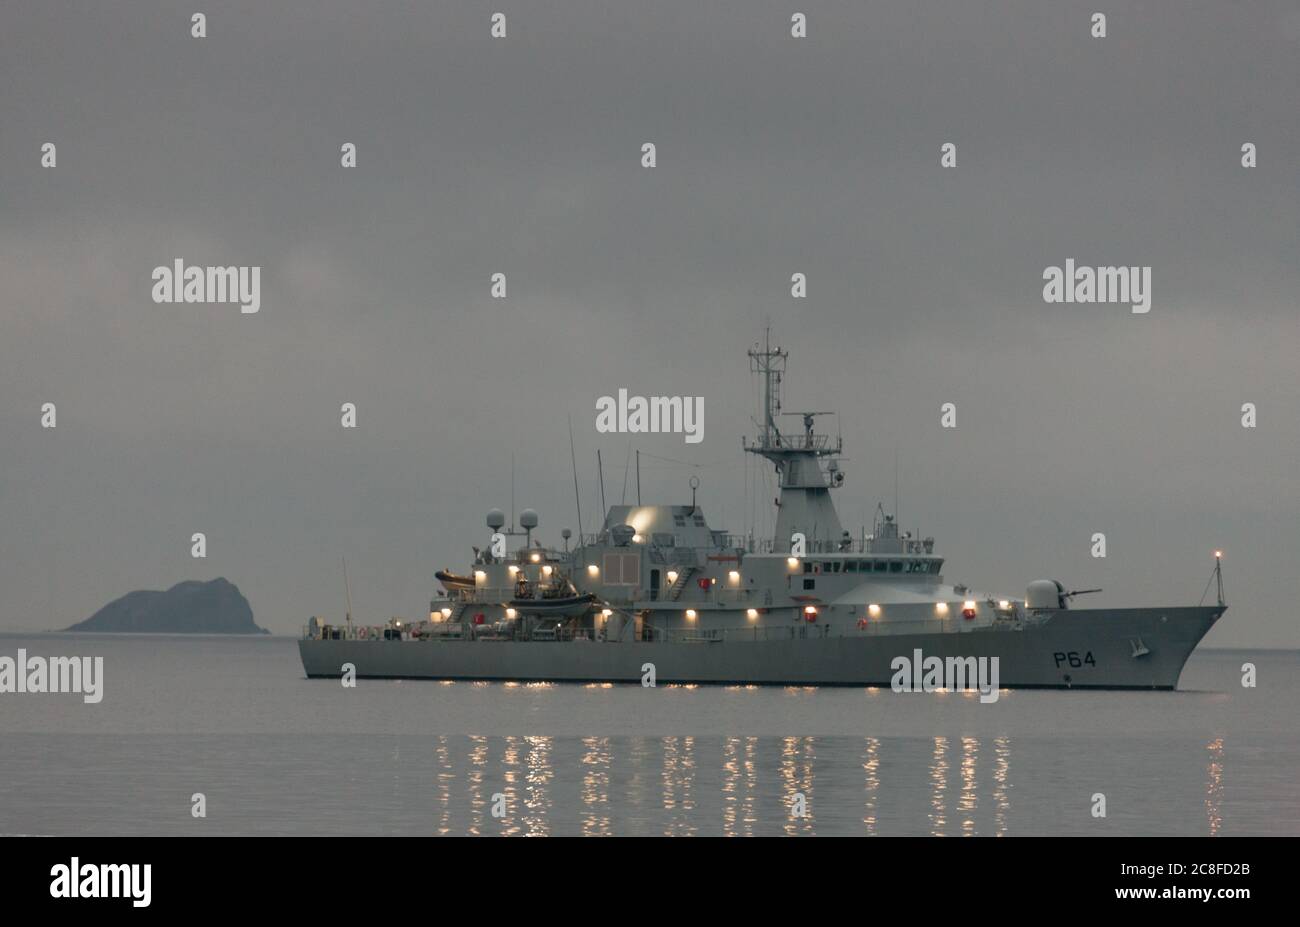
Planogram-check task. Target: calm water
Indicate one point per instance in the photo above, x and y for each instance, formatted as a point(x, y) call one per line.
point(276, 753)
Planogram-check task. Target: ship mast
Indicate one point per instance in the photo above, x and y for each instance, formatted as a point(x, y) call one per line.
point(771, 365)
point(805, 505)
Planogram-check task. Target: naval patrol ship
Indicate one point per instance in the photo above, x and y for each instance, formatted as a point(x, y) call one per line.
point(659, 587)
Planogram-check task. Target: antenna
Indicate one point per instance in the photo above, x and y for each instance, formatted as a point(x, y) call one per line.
point(638, 477)
point(895, 482)
point(348, 587)
point(1216, 578)
point(1218, 572)
point(626, 460)
point(600, 468)
point(512, 490)
point(577, 499)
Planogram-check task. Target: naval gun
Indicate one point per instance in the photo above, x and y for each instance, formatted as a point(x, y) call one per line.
point(1050, 594)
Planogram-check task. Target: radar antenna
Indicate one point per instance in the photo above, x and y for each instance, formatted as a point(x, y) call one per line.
point(809, 419)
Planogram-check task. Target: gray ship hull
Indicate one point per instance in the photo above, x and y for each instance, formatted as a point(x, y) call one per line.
point(1132, 648)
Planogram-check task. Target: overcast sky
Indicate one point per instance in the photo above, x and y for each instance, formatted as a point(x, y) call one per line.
point(523, 156)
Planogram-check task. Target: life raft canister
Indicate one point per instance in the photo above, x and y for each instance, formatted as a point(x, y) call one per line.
point(479, 618)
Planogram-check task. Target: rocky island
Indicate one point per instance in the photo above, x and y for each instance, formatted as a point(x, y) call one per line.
point(191, 607)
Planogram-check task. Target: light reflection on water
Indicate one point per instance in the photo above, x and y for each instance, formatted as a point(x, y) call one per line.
point(797, 759)
point(596, 821)
point(969, 793)
point(1214, 786)
point(275, 753)
point(938, 786)
point(679, 785)
point(600, 785)
point(1001, 782)
point(871, 769)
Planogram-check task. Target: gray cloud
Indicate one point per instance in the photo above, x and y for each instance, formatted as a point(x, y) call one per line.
point(522, 156)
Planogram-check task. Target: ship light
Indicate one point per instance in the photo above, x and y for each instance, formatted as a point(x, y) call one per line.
point(1218, 555)
point(431, 614)
point(968, 609)
point(873, 610)
point(511, 613)
point(810, 612)
point(752, 614)
point(1005, 604)
point(637, 539)
point(480, 576)
point(446, 613)
point(690, 614)
point(941, 608)
point(546, 570)
point(792, 562)
point(513, 569)
point(535, 558)
point(672, 576)
point(734, 577)
point(593, 570)
point(605, 612)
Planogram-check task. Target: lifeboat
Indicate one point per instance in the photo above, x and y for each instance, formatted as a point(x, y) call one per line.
point(569, 605)
point(452, 581)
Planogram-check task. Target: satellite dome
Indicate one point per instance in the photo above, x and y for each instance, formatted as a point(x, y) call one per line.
point(495, 518)
point(528, 518)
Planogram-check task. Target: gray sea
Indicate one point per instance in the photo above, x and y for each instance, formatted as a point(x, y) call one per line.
point(271, 752)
